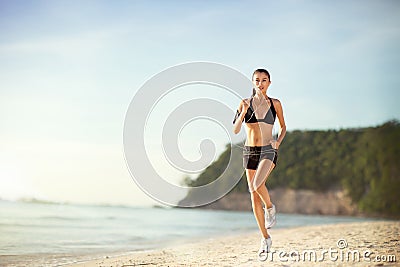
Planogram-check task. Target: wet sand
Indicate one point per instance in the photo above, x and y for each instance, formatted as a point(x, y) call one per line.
point(374, 243)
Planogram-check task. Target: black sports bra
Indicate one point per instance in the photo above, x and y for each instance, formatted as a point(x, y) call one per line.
point(250, 116)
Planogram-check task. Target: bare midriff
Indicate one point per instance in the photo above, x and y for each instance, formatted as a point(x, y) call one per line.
point(258, 134)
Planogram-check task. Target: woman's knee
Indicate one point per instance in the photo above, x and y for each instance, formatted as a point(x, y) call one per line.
point(261, 189)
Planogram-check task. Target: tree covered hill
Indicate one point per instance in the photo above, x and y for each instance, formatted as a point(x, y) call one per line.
point(362, 161)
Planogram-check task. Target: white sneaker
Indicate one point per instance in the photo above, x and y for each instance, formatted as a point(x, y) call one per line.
point(270, 217)
point(265, 248)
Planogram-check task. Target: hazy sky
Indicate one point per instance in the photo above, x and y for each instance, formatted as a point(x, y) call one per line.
point(69, 69)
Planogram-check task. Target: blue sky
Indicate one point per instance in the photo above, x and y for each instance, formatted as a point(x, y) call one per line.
point(69, 69)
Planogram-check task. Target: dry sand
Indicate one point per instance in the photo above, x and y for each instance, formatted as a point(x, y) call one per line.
point(374, 243)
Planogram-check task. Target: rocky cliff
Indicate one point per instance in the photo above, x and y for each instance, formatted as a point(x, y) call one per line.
point(334, 202)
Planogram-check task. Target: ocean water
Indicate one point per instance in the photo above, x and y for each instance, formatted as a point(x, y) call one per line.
point(39, 234)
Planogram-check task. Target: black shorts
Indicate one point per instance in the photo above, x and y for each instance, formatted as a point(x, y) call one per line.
point(252, 155)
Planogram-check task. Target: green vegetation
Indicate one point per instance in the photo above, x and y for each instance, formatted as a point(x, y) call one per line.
point(363, 161)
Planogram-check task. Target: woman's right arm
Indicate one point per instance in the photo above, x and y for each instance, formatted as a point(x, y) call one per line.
point(240, 113)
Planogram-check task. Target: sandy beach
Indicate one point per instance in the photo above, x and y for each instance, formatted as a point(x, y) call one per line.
point(374, 243)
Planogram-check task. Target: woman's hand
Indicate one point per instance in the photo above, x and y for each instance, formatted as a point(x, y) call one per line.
point(259, 95)
point(240, 114)
point(275, 144)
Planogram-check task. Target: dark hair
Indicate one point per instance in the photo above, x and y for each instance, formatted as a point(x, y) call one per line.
point(260, 71)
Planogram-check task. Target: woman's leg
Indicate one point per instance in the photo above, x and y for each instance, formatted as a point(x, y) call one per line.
point(260, 177)
point(256, 203)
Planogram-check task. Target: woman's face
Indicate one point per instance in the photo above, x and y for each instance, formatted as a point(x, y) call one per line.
point(261, 80)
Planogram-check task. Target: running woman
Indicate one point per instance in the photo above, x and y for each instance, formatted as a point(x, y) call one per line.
point(260, 152)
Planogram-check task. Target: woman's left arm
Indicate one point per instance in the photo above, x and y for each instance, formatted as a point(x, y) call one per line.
point(279, 113)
